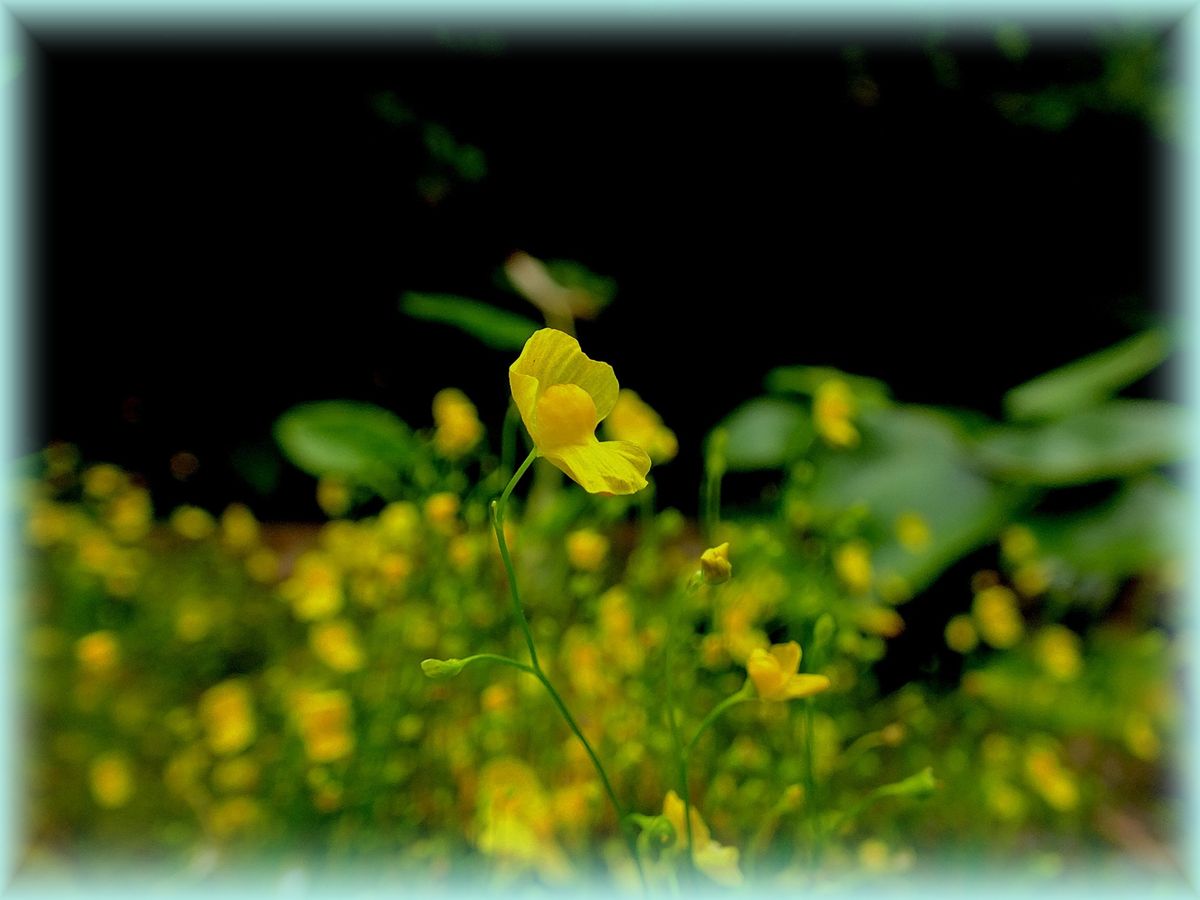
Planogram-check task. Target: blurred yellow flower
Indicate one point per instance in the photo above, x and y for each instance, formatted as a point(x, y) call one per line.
point(998, 617)
point(192, 522)
point(193, 621)
point(130, 514)
point(336, 644)
point(457, 425)
point(562, 396)
point(98, 653)
point(1050, 779)
point(912, 531)
point(333, 496)
point(833, 412)
point(587, 549)
point(634, 421)
point(715, 565)
point(775, 674)
point(516, 819)
point(400, 523)
point(227, 713)
point(111, 780)
point(441, 511)
point(236, 775)
point(314, 588)
point(239, 528)
point(1018, 543)
point(48, 523)
point(879, 620)
point(960, 634)
point(1059, 652)
point(102, 480)
point(233, 816)
point(852, 562)
point(325, 719)
point(718, 862)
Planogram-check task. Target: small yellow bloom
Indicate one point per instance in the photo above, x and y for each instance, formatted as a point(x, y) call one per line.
point(98, 653)
point(192, 522)
point(833, 411)
point(103, 480)
point(961, 636)
point(775, 674)
point(111, 780)
point(998, 617)
point(400, 523)
point(880, 620)
point(718, 862)
point(562, 396)
point(314, 588)
point(336, 644)
point(325, 725)
point(1046, 774)
point(130, 514)
point(913, 531)
point(236, 775)
point(587, 549)
point(228, 716)
point(458, 428)
point(333, 496)
point(1018, 543)
point(852, 561)
point(193, 621)
point(715, 565)
point(634, 421)
point(1059, 652)
point(442, 511)
point(239, 528)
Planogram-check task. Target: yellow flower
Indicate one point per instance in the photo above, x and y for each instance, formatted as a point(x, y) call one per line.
point(333, 496)
point(715, 565)
point(103, 480)
point(228, 717)
point(833, 409)
point(314, 587)
point(130, 514)
point(239, 528)
point(912, 530)
point(192, 522)
point(852, 561)
point(562, 396)
point(324, 724)
point(775, 674)
point(442, 511)
point(960, 634)
point(998, 616)
point(336, 644)
point(587, 549)
point(634, 421)
point(1058, 652)
point(458, 428)
point(716, 861)
point(98, 652)
point(111, 780)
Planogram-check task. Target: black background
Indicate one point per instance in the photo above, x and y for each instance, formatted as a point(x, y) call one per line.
point(225, 229)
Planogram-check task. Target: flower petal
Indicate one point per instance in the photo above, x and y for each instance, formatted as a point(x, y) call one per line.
point(608, 467)
point(788, 655)
point(553, 357)
point(800, 686)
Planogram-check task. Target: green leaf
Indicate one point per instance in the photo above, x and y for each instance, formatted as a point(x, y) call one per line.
point(1088, 381)
point(497, 328)
point(574, 276)
point(361, 442)
point(1121, 437)
point(1142, 527)
point(914, 462)
point(807, 379)
point(765, 433)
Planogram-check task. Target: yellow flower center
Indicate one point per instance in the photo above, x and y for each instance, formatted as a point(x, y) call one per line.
point(566, 416)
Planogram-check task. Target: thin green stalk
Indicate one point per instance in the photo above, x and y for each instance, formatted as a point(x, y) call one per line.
point(508, 438)
point(746, 692)
point(535, 667)
point(496, 657)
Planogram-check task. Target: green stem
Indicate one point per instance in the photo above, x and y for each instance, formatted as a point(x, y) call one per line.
point(745, 693)
point(498, 523)
point(535, 667)
point(508, 439)
point(496, 657)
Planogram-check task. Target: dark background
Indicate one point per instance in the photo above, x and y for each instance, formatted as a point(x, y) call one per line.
point(225, 229)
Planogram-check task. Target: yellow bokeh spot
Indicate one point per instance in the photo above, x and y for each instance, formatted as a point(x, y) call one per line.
point(852, 562)
point(98, 653)
point(998, 617)
point(587, 549)
point(336, 644)
point(1059, 652)
point(960, 634)
point(833, 412)
point(111, 780)
point(192, 522)
point(457, 425)
point(227, 713)
point(913, 532)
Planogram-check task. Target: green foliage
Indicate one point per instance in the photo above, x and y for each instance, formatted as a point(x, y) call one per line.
point(807, 379)
point(1089, 380)
point(1118, 438)
point(913, 461)
point(765, 433)
point(573, 276)
point(358, 441)
point(497, 328)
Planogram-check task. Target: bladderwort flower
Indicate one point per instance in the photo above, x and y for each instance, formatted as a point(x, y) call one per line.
point(776, 676)
point(562, 396)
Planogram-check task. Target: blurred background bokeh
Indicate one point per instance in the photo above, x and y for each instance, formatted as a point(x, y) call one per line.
point(839, 269)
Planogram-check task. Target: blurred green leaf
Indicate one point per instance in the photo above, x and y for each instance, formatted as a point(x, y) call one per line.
point(1121, 437)
point(1089, 380)
point(497, 328)
point(807, 379)
point(1143, 526)
point(913, 462)
point(361, 442)
point(574, 276)
point(765, 433)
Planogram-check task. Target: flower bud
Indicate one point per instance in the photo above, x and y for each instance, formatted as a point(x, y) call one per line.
point(439, 669)
point(715, 564)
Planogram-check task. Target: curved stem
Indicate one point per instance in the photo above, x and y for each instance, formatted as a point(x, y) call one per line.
point(535, 666)
point(745, 693)
point(498, 524)
point(496, 657)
